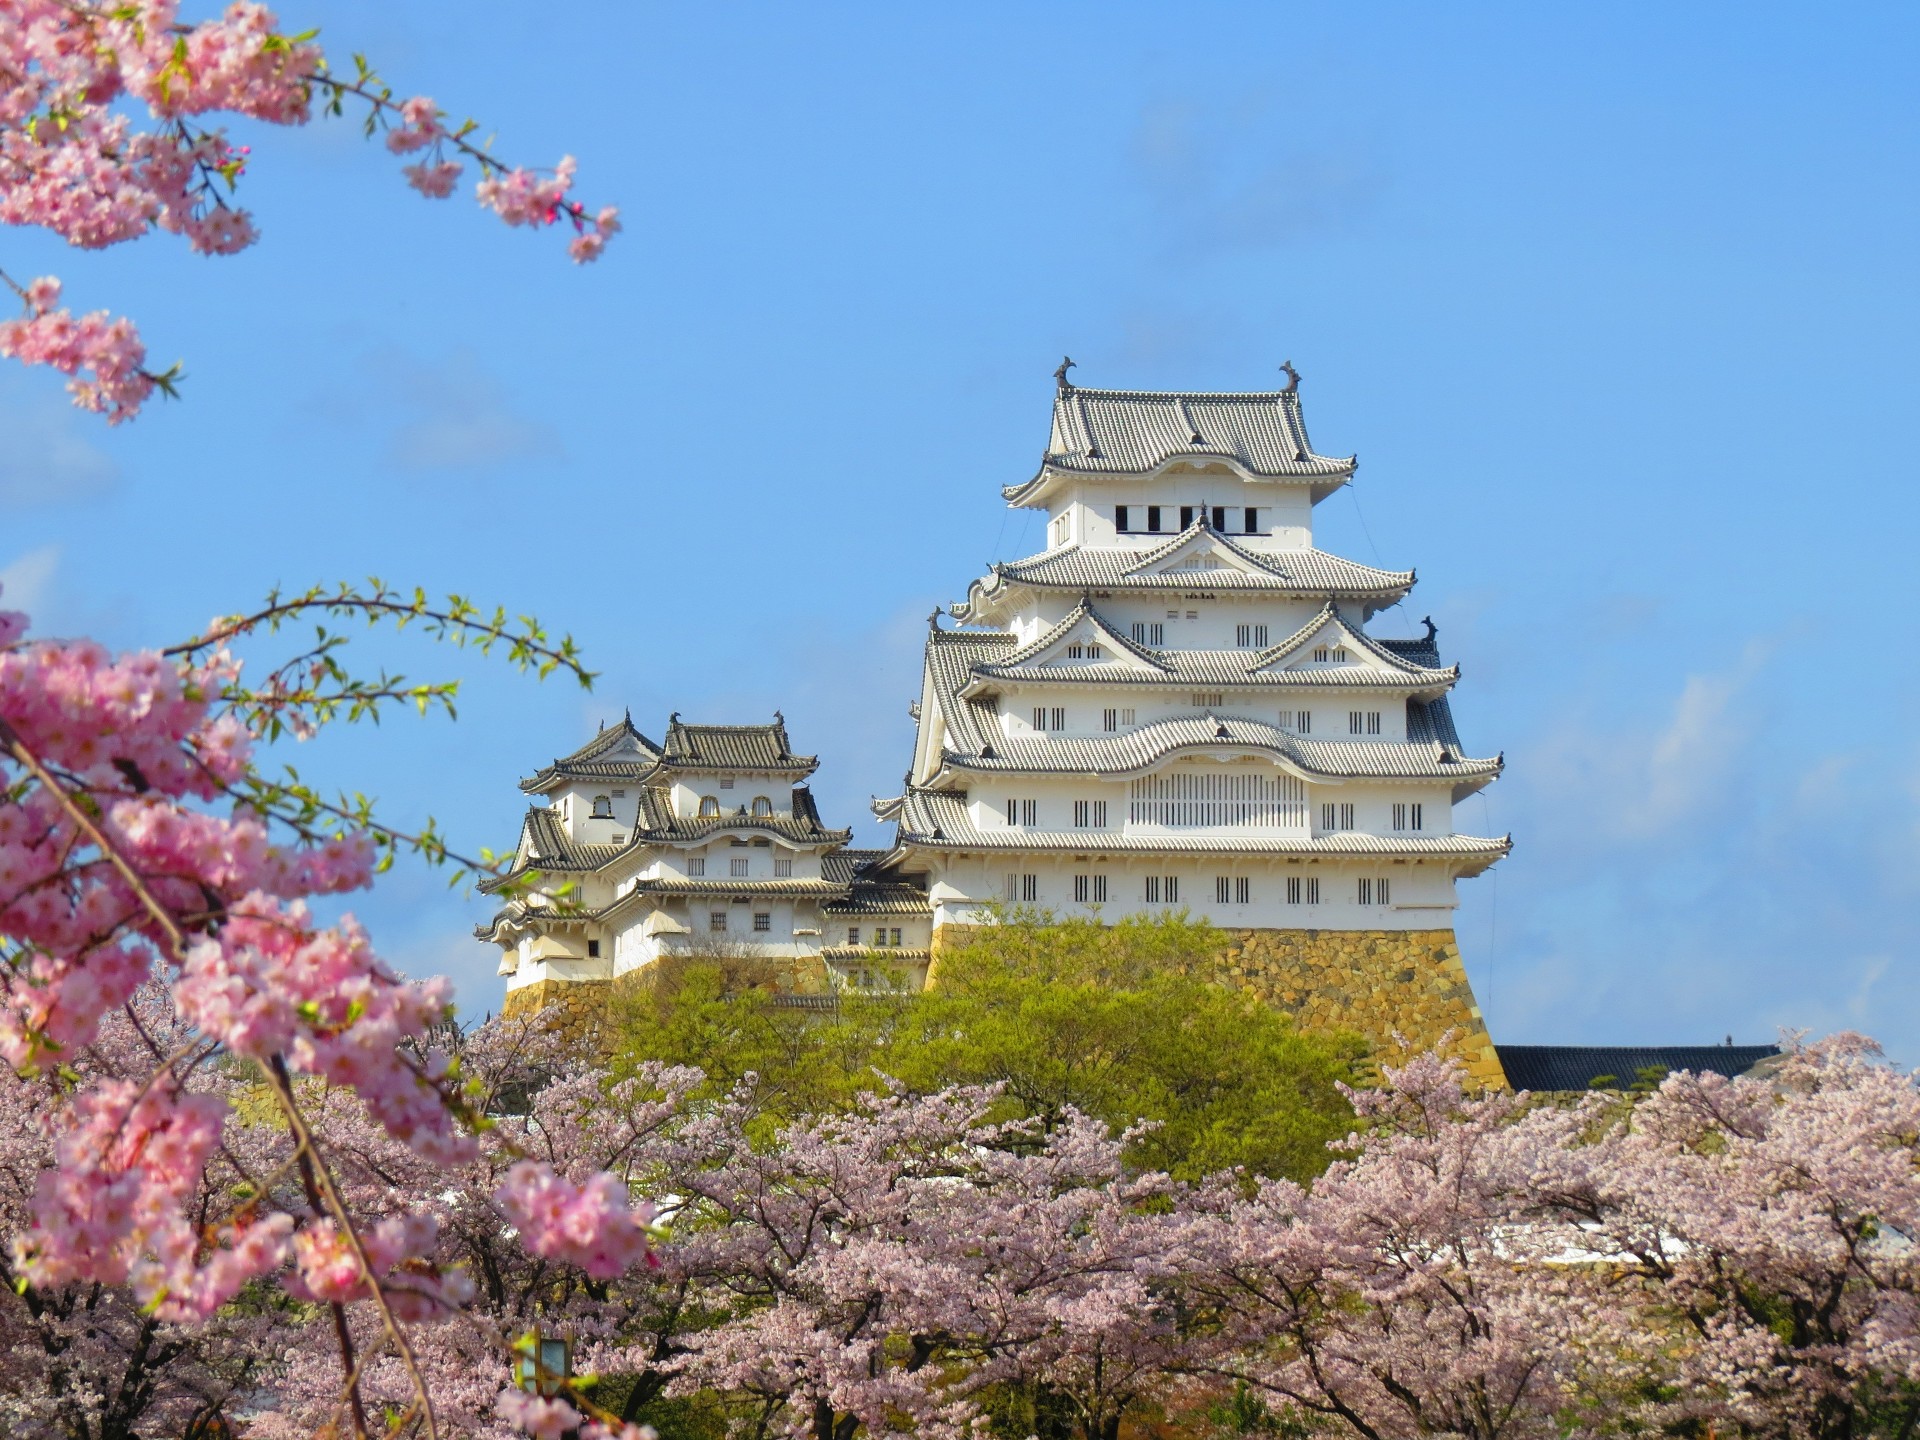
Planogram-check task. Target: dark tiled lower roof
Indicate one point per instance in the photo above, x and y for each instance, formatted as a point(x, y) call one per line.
point(1609, 1067)
point(842, 865)
point(732, 747)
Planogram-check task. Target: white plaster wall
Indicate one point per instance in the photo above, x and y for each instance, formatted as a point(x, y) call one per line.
point(1286, 511)
point(1422, 892)
point(1373, 803)
point(1086, 708)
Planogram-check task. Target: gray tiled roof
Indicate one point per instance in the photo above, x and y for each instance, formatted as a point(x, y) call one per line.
point(1185, 668)
point(843, 865)
point(881, 900)
point(1577, 1067)
point(659, 825)
point(800, 887)
point(953, 655)
point(939, 819)
point(1313, 573)
point(1130, 432)
point(589, 762)
point(732, 747)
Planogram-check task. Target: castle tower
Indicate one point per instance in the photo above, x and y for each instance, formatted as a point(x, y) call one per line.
point(1176, 704)
point(706, 844)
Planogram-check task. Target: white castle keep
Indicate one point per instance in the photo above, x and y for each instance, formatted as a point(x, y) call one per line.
point(1175, 705)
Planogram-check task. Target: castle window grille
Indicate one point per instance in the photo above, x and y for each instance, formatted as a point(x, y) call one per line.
point(1366, 890)
point(1094, 652)
point(853, 935)
point(1110, 720)
point(697, 865)
point(1320, 653)
point(1149, 632)
point(737, 866)
point(1339, 653)
point(1090, 889)
point(1023, 812)
point(1209, 699)
point(1022, 888)
point(1293, 890)
point(1089, 814)
point(1363, 722)
point(783, 868)
point(716, 920)
point(1162, 889)
point(1242, 890)
point(1250, 636)
point(1407, 815)
point(1199, 799)
point(762, 922)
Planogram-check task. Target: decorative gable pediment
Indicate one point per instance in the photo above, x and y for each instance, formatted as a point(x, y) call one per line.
point(1329, 643)
point(1200, 551)
point(1083, 638)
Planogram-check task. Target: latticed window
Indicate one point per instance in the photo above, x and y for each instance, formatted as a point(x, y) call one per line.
point(1090, 889)
point(1407, 815)
point(1149, 632)
point(602, 807)
point(716, 920)
point(762, 922)
point(709, 807)
point(783, 868)
point(1021, 888)
point(1363, 722)
point(1216, 798)
point(1209, 699)
point(762, 806)
point(1336, 817)
point(1090, 814)
point(737, 866)
point(697, 865)
point(1023, 812)
point(1250, 636)
point(1163, 889)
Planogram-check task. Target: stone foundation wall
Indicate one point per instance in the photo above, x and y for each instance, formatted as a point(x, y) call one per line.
point(1380, 983)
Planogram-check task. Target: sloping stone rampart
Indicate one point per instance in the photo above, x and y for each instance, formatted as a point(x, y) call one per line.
point(1378, 983)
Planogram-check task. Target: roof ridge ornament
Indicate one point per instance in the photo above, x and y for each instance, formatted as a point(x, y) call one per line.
point(1432, 629)
point(1060, 379)
point(1293, 376)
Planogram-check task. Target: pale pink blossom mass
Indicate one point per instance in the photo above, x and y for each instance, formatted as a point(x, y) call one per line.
point(103, 140)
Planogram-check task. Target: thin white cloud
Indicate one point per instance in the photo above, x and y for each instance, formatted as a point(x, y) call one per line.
point(47, 458)
point(457, 416)
point(27, 583)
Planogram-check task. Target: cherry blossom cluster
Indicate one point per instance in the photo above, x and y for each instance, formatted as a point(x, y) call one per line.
point(116, 870)
point(107, 350)
point(103, 139)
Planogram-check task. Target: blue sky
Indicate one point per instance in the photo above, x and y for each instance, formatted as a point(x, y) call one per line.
point(1616, 304)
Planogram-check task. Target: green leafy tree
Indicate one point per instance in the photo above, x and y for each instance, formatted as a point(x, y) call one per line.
point(1125, 1022)
point(1120, 1021)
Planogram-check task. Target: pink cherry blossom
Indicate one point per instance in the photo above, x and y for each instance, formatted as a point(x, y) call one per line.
point(132, 152)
